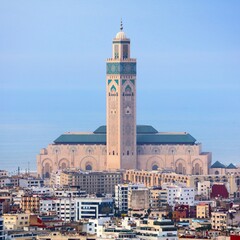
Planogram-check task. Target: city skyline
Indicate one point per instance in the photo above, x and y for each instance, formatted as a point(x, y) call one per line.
point(187, 80)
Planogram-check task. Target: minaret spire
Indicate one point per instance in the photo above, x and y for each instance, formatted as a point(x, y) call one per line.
point(121, 25)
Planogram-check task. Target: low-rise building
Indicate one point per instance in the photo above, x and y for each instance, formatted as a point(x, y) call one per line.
point(3, 173)
point(30, 203)
point(203, 189)
point(42, 191)
point(203, 210)
point(89, 181)
point(16, 221)
point(219, 220)
point(93, 208)
point(63, 207)
point(163, 229)
point(69, 192)
point(177, 195)
point(138, 199)
point(30, 182)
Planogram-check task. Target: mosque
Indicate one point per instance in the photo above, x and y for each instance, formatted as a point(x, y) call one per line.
point(121, 144)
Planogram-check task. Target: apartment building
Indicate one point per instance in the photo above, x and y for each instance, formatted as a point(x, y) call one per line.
point(180, 195)
point(203, 210)
point(121, 195)
point(91, 182)
point(93, 208)
point(219, 220)
point(30, 203)
point(16, 221)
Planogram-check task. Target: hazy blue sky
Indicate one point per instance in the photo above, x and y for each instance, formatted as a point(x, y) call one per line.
point(52, 70)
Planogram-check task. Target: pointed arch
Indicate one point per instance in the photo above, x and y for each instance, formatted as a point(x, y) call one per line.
point(88, 161)
point(172, 151)
point(197, 167)
point(128, 89)
point(63, 163)
point(47, 166)
point(89, 151)
point(113, 89)
point(180, 165)
point(154, 162)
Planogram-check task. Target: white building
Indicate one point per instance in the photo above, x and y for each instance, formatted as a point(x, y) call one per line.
point(3, 173)
point(56, 178)
point(42, 191)
point(96, 226)
point(180, 195)
point(153, 229)
point(5, 181)
point(93, 208)
point(121, 195)
point(64, 207)
point(69, 193)
point(204, 188)
point(31, 182)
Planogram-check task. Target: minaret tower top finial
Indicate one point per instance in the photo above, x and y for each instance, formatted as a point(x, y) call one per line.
point(121, 25)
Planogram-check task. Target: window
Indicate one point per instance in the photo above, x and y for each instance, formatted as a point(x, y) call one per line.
point(125, 51)
point(116, 51)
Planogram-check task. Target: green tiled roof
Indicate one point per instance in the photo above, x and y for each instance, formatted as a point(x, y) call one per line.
point(145, 135)
point(81, 139)
point(141, 129)
point(231, 166)
point(217, 164)
point(165, 138)
point(101, 129)
point(144, 129)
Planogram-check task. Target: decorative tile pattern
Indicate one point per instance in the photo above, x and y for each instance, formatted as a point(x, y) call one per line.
point(121, 68)
point(116, 81)
point(133, 82)
point(109, 81)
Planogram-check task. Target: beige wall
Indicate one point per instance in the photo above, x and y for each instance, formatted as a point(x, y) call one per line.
point(202, 211)
point(138, 199)
point(16, 221)
point(55, 157)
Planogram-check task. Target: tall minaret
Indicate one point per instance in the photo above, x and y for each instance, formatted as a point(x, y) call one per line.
point(121, 105)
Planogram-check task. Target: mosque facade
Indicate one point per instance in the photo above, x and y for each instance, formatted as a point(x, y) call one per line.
point(121, 144)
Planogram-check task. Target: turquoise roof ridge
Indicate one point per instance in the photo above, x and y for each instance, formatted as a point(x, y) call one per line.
point(231, 166)
point(217, 164)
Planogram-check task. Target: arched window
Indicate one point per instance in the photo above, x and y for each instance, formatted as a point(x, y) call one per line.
point(47, 170)
point(88, 167)
point(155, 167)
point(125, 51)
point(116, 51)
point(180, 168)
point(63, 165)
point(197, 169)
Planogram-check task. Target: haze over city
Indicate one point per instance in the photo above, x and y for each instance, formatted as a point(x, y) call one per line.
point(52, 71)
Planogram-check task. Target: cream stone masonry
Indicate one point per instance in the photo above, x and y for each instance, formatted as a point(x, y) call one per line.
point(122, 144)
point(121, 106)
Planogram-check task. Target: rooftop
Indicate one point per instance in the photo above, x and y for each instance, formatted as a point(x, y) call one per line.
point(146, 134)
point(217, 164)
